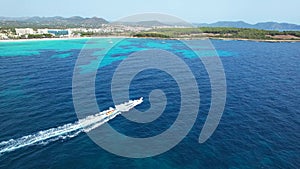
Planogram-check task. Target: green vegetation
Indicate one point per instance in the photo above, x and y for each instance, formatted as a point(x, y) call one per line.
point(177, 32)
point(151, 34)
point(222, 32)
point(31, 36)
point(248, 33)
point(88, 34)
point(94, 34)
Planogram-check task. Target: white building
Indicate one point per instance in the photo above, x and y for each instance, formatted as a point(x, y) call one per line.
point(3, 36)
point(24, 31)
point(55, 32)
point(42, 31)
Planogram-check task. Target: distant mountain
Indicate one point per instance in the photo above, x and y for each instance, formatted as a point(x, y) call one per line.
point(52, 22)
point(262, 25)
point(151, 23)
point(238, 24)
point(141, 23)
point(277, 26)
point(95, 22)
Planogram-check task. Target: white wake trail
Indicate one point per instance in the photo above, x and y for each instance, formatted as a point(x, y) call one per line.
point(69, 130)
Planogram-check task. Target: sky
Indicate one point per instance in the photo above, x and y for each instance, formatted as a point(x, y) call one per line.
point(194, 11)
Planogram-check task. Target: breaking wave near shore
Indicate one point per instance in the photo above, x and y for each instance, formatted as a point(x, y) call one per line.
point(69, 130)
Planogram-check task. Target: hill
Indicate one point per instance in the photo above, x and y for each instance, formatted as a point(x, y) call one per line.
point(261, 25)
point(52, 22)
point(95, 22)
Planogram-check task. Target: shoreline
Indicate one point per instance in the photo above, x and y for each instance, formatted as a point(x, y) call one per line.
point(256, 40)
point(66, 38)
point(191, 38)
point(41, 39)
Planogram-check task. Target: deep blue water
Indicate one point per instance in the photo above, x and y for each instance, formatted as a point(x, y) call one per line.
point(259, 127)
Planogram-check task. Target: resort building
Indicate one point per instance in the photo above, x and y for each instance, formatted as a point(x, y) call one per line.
point(3, 36)
point(24, 31)
point(59, 32)
point(42, 31)
point(55, 32)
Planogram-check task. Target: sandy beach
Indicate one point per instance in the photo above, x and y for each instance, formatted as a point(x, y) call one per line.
point(71, 38)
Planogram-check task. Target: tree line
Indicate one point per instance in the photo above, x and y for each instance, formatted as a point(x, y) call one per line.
point(222, 32)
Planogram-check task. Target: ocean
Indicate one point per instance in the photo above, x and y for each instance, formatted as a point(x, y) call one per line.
point(259, 127)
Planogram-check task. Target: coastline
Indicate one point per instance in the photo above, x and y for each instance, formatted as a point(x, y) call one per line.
point(41, 39)
point(66, 38)
point(224, 39)
point(186, 38)
point(256, 40)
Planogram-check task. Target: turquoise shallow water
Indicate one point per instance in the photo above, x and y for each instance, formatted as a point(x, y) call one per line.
point(259, 127)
